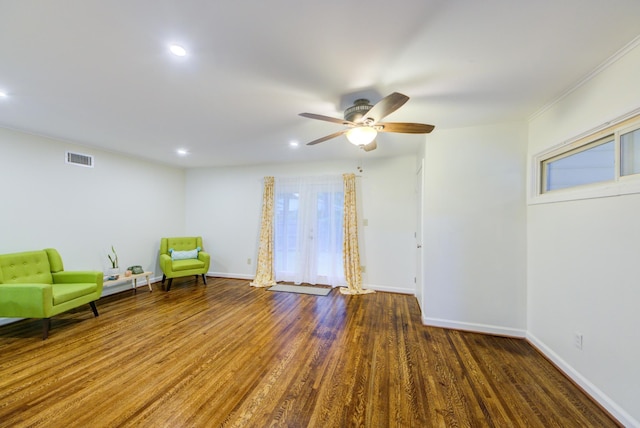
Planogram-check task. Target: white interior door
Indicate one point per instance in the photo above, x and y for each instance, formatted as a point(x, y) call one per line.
point(418, 233)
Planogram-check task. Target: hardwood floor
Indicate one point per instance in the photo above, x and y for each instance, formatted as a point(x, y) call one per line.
point(232, 355)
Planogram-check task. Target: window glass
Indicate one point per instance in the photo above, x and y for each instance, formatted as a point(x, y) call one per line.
point(630, 153)
point(589, 164)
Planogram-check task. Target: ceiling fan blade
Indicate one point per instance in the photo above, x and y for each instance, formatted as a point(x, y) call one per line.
point(385, 107)
point(327, 118)
point(328, 137)
point(371, 146)
point(405, 128)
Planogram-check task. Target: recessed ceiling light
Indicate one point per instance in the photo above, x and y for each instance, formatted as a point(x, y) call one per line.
point(293, 144)
point(182, 152)
point(3, 94)
point(177, 50)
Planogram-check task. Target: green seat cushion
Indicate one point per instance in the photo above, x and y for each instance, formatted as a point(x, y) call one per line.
point(187, 264)
point(65, 292)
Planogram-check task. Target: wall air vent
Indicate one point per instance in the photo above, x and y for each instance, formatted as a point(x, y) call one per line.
point(79, 159)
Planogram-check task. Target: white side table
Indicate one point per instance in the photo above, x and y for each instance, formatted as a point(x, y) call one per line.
point(133, 278)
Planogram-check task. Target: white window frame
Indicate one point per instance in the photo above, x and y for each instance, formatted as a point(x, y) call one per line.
point(620, 185)
point(621, 132)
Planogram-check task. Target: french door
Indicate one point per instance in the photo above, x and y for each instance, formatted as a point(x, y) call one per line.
point(308, 230)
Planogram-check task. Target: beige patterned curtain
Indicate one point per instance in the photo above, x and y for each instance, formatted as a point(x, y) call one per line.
point(350, 251)
point(265, 274)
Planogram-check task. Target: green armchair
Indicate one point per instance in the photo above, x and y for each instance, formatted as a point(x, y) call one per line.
point(34, 284)
point(183, 256)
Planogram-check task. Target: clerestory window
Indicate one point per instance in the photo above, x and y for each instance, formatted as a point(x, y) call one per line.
point(591, 163)
point(605, 163)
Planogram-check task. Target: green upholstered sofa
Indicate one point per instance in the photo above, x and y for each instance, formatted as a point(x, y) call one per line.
point(34, 284)
point(173, 266)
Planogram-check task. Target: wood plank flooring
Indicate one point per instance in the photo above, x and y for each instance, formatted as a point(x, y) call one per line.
point(231, 355)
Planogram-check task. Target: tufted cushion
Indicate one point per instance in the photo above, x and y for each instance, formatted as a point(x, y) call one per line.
point(24, 268)
point(182, 244)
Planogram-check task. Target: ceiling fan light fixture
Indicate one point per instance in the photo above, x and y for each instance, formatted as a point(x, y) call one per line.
point(178, 50)
point(361, 135)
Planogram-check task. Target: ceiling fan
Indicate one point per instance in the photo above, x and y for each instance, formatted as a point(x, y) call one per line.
point(363, 122)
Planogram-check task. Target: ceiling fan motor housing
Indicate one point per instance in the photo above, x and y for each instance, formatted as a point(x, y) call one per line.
point(359, 108)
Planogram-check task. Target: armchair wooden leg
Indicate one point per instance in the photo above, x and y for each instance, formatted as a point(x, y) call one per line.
point(93, 308)
point(169, 284)
point(204, 278)
point(163, 278)
point(46, 324)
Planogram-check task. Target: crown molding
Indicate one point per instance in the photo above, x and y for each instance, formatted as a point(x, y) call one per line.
point(599, 69)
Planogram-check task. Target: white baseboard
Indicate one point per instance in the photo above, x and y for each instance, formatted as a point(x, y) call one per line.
point(475, 327)
point(5, 321)
point(387, 289)
point(616, 411)
point(231, 275)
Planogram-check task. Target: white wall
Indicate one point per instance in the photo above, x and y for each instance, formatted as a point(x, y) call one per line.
point(224, 206)
point(474, 229)
point(82, 211)
point(583, 256)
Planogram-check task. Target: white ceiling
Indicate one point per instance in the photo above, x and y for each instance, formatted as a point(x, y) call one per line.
point(99, 73)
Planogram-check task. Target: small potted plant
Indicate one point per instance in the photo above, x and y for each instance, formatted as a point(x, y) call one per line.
point(113, 259)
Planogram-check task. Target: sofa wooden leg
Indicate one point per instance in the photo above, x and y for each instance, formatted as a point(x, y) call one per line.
point(169, 284)
point(93, 308)
point(204, 278)
point(46, 324)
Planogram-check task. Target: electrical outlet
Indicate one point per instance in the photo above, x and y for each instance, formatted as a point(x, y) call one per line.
point(363, 269)
point(577, 340)
point(248, 261)
point(365, 222)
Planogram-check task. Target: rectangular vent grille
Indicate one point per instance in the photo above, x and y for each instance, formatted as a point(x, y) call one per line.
point(79, 159)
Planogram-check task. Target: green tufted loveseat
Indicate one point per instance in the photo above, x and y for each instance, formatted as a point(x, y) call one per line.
point(174, 268)
point(34, 284)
